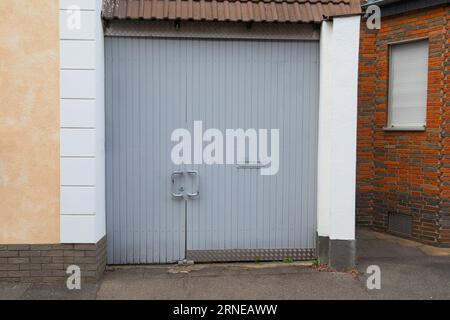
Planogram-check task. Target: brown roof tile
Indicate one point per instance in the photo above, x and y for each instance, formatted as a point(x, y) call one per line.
point(230, 10)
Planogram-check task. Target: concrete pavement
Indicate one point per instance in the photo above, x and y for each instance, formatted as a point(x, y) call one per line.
point(228, 282)
point(409, 270)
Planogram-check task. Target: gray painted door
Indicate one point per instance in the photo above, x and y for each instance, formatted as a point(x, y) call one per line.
point(157, 85)
point(145, 102)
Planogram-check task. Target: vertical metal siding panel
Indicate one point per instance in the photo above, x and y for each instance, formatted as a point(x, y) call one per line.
point(117, 187)
point(151, 207)
point(268, 69)
point(310, 155)
point(252, 221)
point(258, 112)
point(135, 144)
point(212, 52)
point(273, 187)
point(143, 190)
point(289, 184)
point(221, 104)
point(117, 155)
point(250, 218)
point(164, 92)
point(287, 154)
point(307, 158)
point(203, 93)
point(128, 143)
point(138, 168)
point(239, 119)
point(209, 86)
point(277, 123)
point(135, 158)
point(124, 87)
point(172, 223)
point(296, 78)
point(157, 205)
point(160, 205)
point(236, 122)
point(192, 110)
point(111, 176)
point(227, 84)
point(293, 142)
point(253, 216)
point(316, 72)
point(305, 162)
point(108, 146)
point(256, 84)
point(122, 154)
point(298, 146)
point(189, 85)
point(228, 104)
point(142, 157)
point(144, 223)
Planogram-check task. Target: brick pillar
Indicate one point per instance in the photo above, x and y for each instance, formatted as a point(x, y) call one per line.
point(366, 108)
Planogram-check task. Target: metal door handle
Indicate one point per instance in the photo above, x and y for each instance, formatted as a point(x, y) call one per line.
point(197, 184)
point(252, 165)
point(173, 178)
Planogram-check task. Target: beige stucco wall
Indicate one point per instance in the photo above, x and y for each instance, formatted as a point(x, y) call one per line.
point(29, 121)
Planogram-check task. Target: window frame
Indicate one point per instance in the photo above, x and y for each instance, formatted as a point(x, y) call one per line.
point(389, 126)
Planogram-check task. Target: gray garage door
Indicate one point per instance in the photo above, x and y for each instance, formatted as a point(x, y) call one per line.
point(154, 86)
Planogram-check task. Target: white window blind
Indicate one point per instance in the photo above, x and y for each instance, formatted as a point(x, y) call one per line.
point(408, 81)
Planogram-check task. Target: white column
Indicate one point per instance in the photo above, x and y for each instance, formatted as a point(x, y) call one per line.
point(100, 214)
point(82, 122)
point(324, 152)
point(337, 128)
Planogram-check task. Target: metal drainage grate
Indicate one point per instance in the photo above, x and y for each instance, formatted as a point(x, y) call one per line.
point(400, 224)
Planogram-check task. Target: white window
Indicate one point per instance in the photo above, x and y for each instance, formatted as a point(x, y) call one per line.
point(408, 81)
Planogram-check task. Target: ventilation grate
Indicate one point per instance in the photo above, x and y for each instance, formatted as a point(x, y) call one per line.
point(400, 224)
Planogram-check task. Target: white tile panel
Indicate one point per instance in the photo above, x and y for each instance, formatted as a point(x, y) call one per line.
point(77, 142)
point(77, 54)
point(78, 200)
point(77, 25)
point(78, 84)
point(77, 113)
point(77, 172)
point(77, 229)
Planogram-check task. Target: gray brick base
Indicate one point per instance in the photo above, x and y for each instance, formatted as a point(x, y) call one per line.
point(48, 263)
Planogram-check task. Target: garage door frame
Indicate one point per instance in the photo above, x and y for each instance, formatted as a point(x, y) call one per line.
point(166, 30)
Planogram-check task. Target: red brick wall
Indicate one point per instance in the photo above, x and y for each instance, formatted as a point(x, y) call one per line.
point(404, 172)
point(445, 168)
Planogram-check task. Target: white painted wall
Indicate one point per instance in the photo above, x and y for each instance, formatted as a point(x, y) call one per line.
point(82, 124)
point(337, 128)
